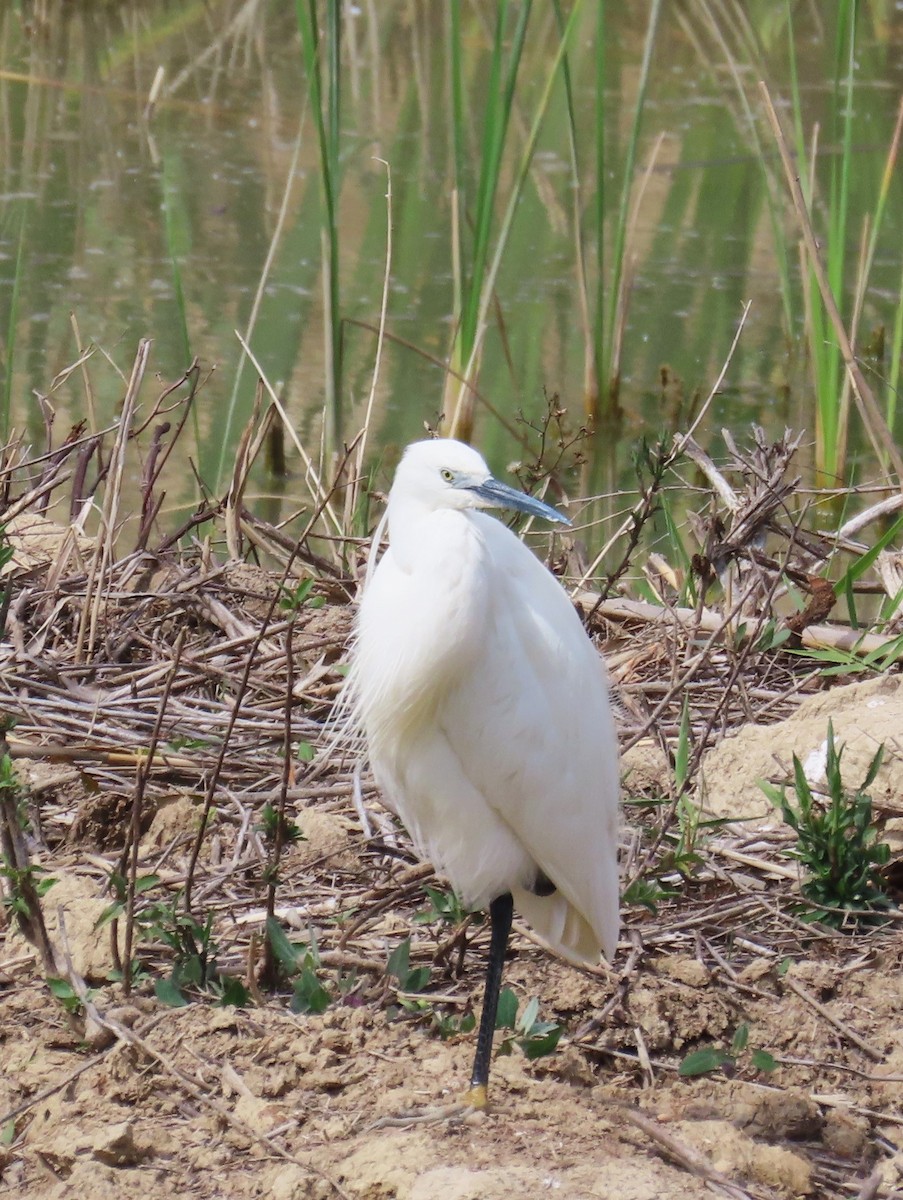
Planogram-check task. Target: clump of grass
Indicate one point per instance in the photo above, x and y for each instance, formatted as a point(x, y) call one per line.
point(836, 842)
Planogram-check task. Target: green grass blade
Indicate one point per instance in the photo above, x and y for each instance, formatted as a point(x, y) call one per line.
point(498, 115)
point(620, 237)
point(865, 561)
point(456, 68)
point(326, 110)
point(11, 324)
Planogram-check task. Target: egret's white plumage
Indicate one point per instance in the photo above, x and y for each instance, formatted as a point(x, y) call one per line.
point(485, 705)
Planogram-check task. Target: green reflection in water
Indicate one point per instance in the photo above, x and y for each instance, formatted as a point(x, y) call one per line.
point(162, 229)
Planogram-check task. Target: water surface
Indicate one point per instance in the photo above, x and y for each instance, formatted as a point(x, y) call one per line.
point(129, 227)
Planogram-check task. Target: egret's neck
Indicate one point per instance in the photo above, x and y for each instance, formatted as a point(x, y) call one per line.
point(415, 523)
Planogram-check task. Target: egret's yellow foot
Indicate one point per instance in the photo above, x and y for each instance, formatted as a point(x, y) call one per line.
point(477, 1096)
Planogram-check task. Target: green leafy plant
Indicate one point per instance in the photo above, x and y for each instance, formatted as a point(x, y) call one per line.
point(9, 783)
point(716, 1058)
point(6, 554)
point(137, 973)
point(449, 1025)
point(412, 981)
point(772, 636)
point(193, 947)
point(15, 898)
point(62, 990)
point(295, 598)
point(303, 962)
point(118, 886)
point(536, 1038)
point(836, 842)
point(408, 978)
point(647, 893)
point(270, 825)
point(444, 906)
point(681, 854)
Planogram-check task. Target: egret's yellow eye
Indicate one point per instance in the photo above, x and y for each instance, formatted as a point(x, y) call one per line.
point(447, 475)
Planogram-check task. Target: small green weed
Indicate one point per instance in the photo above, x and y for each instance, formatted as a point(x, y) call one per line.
point(192, 944)
point(10, 788)
point(302, 962)
point(138, 974)
point(772, 636)
point(682, 855)
point(411, 981)
point(838, 661)
point(536, 1038)
point(188, 743)
point(716, 1058)
point(444, 907)
point(270, 825)
point(836, 842)
point(6, 554)
point(295, 598)
point(647, 893)
point(63, 991)
point(449, 1025)
point(118, 886)
point(15, 899)
point(193, 947)
point(408, 978)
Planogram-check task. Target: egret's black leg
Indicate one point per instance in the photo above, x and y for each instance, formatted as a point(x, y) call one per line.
point(500, 912)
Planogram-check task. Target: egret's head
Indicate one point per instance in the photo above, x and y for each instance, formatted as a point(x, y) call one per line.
point(446, 474)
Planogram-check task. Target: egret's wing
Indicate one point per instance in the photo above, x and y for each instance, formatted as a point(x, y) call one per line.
point(417, 631)
point(532, 728)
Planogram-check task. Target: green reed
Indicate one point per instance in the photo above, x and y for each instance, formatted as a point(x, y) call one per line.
point(471, 250)
point(825, 359)
point(321, 52)
point(11, 328)
point(479, 237)
point(603, 314)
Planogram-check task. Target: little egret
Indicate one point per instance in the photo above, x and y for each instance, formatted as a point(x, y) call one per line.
point(486, 714)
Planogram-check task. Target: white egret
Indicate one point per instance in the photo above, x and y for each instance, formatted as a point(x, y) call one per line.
point(486, 713)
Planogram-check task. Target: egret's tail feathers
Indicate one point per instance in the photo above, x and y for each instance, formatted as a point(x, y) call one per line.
point(559, 924)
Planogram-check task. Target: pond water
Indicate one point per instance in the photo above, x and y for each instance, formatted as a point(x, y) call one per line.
point(126, 226)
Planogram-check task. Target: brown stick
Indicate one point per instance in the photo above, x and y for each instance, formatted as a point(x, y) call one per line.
point(850, 1034)
point(815, 636)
